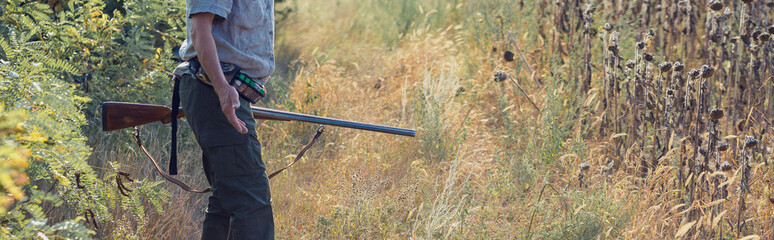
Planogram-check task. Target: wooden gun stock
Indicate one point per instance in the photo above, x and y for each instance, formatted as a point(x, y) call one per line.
point(119, 115)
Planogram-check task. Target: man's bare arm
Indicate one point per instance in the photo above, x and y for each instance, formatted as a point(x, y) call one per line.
point(204, 43)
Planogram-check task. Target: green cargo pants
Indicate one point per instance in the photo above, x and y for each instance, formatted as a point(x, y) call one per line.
point(240, 204)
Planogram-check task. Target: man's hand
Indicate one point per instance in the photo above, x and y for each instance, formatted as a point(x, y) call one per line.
point(229, 101)
point(204, 43)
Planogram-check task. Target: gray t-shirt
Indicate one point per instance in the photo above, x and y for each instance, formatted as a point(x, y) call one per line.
point(243, 32)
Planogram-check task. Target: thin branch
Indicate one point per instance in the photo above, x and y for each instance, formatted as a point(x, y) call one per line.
point(525, 94)
point(513, 40)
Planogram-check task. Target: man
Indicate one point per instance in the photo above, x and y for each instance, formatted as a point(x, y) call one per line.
point(241, 33)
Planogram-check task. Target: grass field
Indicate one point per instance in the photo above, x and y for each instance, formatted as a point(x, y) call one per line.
point(542, 119)
point(609, 154)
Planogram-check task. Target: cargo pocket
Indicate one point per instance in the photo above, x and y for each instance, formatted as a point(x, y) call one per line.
point(230, 161)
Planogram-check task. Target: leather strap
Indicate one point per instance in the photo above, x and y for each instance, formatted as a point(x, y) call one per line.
point(185, 187)
point(320, 130)
point(175, 109)
point(158, 168)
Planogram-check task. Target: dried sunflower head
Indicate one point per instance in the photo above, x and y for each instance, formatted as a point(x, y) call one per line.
point(500, 76)
point(648, 57)
point(707, 71)
point(694, 73)
point(764, 37)
point(715, 5)
point(745, 39)
point(608, 27)
point(771, 29)
point(508, 56)
point(741, 124)
point(630, 63)
point(750, 142)
point(757, 33)
point(613, 48)
point(665, 66)
point(722, 147)
point(716, 114)
point(640, 45)
point(726, 166)
point(678, 67)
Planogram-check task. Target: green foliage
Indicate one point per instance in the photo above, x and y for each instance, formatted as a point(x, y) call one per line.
point(56, 147)
point(27, 220)
point(128, 54)
point(555, 128)
point(438, 144)
point(591, 214)
point(57, 63)
point(14, 160)
point(492, 20)
point(433, 108)
point(446, 205)
point(30, 130)
point(47, 134)
point(52, 64)
point(397, 19)
point(364, 220)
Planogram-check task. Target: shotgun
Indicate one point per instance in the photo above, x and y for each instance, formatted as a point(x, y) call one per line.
point(119, 115)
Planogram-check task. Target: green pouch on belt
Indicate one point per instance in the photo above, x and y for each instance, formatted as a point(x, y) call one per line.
point(249, 89)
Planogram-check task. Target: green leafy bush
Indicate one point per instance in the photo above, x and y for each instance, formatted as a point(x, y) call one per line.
point(54, 60)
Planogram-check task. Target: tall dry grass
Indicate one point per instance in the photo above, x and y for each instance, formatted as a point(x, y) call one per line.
point(182, 212)
point(612, 153)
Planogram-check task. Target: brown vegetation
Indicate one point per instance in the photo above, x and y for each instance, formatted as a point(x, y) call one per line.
point(536, 119)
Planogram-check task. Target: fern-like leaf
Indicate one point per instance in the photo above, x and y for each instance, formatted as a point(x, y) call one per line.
point(36, 211)
point(59, 65)
point(8, 52)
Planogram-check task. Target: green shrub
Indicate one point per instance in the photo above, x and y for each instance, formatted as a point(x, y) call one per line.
point(50, 64)
point(434, 107)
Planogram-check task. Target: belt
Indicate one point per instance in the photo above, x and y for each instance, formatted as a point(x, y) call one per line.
point(248, 88)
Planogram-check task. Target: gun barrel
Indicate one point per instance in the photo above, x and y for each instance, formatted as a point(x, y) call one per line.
point(118, 115)
point(272, 114)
